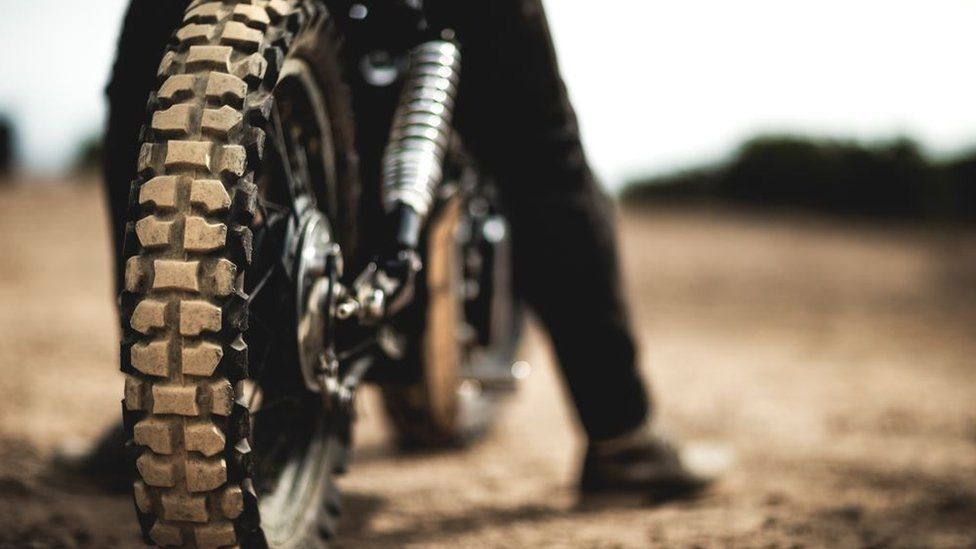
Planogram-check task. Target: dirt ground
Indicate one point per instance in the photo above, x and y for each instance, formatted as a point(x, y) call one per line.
point(835, 358)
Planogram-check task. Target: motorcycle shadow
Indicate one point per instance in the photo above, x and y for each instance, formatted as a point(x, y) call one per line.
point(356, 529)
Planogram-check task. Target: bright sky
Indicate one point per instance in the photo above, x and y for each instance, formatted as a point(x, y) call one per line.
point(658, 85)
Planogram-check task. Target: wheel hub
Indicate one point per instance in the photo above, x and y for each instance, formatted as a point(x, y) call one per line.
point(318, 266)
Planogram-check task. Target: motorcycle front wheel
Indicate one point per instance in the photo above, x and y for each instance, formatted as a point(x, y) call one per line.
point(249, 138)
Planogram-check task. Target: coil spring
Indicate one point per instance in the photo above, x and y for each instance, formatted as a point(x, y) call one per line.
point(421, 130)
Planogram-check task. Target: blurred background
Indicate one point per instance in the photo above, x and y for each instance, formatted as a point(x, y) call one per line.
point(798, 192)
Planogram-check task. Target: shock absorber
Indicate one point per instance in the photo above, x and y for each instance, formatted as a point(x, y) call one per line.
point(419, 137)
point(412, 170)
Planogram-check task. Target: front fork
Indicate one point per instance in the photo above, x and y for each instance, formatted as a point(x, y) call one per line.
point(413, 168)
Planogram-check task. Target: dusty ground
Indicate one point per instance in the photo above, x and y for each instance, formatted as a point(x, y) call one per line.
point(837, 360)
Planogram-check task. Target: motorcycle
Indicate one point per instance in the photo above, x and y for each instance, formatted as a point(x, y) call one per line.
point(304, 220)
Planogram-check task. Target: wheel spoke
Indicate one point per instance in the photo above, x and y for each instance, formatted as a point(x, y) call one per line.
point(262, 282)
point(284, 155)
point(267, 208)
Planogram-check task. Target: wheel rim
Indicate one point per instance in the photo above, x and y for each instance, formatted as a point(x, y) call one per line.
point(454, 360)
point(294, 445)
point(442, 347)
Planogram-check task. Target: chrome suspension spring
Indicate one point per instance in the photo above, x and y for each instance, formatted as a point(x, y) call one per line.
point(421, 130)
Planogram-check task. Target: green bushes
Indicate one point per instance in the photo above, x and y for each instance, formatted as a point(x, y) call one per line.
point(6, 145)
point(885, 180)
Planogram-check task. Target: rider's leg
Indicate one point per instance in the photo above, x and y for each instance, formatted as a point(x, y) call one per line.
point(514, 114)
point(147, 27)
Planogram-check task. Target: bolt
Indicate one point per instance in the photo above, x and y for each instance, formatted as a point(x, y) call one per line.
point(347, 309)
point(374, 303)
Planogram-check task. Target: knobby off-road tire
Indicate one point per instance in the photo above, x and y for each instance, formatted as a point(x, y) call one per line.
point(188, 246)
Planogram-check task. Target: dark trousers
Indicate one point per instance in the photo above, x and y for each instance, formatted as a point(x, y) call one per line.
point(515, 117)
